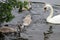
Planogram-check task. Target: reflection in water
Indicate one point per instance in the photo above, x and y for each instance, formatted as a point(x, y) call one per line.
point(1, 36)
point(46, 36)
point(48, 33)
point(50, 29)
point(11, 36)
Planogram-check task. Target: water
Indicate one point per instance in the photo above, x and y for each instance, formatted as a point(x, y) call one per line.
point(39, 29)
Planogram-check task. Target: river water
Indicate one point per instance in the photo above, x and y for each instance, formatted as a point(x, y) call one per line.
point(39, 29)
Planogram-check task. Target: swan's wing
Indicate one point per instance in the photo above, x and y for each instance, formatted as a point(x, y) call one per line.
point(55, 19)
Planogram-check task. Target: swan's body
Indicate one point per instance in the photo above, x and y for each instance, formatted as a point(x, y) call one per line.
point(50, 19)
point(54, 19)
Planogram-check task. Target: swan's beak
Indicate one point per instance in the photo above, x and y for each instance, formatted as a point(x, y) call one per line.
point(45, 9)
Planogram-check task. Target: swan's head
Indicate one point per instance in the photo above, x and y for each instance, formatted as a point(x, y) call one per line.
point(46, 7)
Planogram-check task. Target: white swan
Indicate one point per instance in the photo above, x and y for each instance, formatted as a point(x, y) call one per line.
point(50, 19)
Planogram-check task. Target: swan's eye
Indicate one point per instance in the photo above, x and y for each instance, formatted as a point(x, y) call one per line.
point(45, 8)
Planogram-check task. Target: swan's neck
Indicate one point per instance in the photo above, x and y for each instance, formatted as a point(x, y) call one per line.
point(51, 13)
